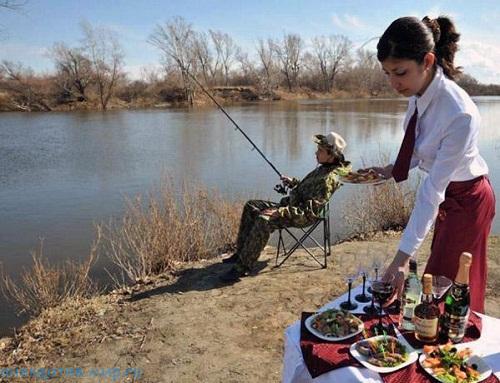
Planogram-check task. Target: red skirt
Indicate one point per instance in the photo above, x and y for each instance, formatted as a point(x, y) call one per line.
point(463, 224)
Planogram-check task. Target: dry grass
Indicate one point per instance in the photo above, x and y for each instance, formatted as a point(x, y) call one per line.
point(171, 227)
point(72, 327)
point(380, 208)
point(45, 286)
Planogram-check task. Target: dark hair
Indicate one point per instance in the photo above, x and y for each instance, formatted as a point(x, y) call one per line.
point(411, 38)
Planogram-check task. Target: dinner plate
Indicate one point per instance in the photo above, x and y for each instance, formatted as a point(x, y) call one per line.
point(412, 355)
point(482, 367)
point(312, 330)
point(377, 181)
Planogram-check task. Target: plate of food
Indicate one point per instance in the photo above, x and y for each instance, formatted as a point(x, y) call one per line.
point(334, 325)
point(383, 353)
point(454, 364)
point(369, 177)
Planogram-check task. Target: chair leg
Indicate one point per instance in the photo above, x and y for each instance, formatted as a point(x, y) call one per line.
point(299, 242)
point(281, 244)
point(325, 247)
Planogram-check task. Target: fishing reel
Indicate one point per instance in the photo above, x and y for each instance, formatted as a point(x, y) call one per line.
point(281, 189)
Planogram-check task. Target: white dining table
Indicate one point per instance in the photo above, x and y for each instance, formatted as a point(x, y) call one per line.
point(295, 370)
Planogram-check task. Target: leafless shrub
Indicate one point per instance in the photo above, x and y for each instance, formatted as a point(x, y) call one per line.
point(382, 207)
point(156, 235)
point(45, 286)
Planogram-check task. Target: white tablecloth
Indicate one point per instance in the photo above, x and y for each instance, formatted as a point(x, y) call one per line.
point(295, 370)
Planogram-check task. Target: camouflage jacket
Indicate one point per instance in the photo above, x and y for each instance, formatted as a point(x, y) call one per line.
point(307, 197)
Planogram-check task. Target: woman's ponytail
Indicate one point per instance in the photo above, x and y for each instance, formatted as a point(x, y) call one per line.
point(445, 38)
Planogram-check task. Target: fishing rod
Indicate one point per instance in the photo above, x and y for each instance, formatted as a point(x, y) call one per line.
point(280, 188)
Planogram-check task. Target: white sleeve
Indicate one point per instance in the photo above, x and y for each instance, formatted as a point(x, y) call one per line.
point(452, 150)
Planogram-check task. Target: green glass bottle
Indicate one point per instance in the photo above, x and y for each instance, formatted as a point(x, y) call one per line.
point(457, 303)
point(412, 295)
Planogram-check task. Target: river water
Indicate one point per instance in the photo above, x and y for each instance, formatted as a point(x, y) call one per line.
point(62, 172)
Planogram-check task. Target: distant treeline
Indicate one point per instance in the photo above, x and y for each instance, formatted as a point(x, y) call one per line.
point(91, 75)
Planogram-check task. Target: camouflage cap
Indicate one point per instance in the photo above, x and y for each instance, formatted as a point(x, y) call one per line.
point(332, 140)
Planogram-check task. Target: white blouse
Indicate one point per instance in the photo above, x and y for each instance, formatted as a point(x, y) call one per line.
point(445, 148)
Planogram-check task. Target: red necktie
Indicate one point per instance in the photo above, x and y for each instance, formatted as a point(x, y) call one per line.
point(402, 164)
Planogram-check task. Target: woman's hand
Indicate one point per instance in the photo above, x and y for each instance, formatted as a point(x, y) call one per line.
point(398, 268)
point(385, 171)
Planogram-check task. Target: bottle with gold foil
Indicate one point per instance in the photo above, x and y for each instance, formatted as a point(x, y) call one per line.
point(426, 314)
point(457, 303)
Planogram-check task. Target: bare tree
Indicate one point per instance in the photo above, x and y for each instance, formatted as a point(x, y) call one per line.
point(248, 70)
point(74, 70)
point(24, 89)
point(364, 75)
point(268, 61)
point(175, 40)
point(226, 50)
point(331, 54)
point(106, 55)
point(288, 52)
point(204, 56)
point(150, 74)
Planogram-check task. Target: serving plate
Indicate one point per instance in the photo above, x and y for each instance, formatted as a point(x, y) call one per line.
point(363, 359)
point(317, 333)
point(482, 367)
point(366, 178)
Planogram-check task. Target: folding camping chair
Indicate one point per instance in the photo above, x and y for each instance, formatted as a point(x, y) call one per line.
point(305, 234)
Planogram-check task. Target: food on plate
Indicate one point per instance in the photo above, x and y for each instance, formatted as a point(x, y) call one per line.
point(449, 364)
point(384, 351)
point(336, 323)
point(363, 176)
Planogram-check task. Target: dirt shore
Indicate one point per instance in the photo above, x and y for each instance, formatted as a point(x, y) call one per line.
point(188, 328)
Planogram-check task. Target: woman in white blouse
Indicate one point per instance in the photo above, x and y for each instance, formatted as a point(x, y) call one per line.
point(442, 126)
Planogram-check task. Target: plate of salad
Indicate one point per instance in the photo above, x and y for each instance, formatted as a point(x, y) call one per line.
point(454, 364)
point(383, 353)
point(334, 325)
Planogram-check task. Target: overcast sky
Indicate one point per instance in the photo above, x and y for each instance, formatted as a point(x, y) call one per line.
point(27, 34)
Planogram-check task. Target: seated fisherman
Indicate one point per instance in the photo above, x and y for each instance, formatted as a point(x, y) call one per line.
point(300, 209)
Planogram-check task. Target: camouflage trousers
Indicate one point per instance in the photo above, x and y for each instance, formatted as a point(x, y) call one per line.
point(254, 232)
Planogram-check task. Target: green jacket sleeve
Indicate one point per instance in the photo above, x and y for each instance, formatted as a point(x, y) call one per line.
point(310, 198)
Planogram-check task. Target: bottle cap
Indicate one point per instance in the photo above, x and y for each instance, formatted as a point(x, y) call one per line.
point(413, 266)
point(427, 284)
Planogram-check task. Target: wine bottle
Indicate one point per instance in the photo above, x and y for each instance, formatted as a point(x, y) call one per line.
point(457, 303)
point(426, 314)
point(411, 297)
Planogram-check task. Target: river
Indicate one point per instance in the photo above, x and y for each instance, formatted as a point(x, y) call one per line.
point(62, 172)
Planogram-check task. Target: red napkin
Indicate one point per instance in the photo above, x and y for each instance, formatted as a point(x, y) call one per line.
point(322, 356)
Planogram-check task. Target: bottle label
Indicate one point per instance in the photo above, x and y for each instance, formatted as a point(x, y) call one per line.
point(426, 327)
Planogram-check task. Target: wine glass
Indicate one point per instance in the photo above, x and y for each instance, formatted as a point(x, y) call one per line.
point(376, 264)
point(363, 297)
point(382, 291)
point(372, 278)
point(349, 304)
point(440, 284)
